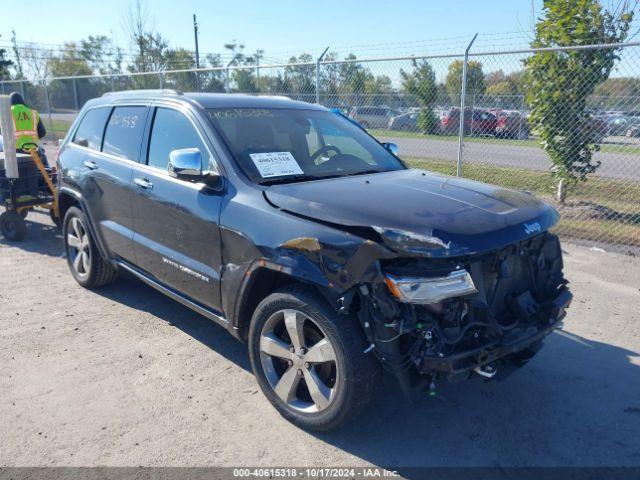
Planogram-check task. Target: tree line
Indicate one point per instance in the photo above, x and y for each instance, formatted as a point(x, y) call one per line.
point(557, 87)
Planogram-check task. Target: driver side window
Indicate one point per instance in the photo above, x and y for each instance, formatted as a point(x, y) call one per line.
point(334, 136)
point(172, 130)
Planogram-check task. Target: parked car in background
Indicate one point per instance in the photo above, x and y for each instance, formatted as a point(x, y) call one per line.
point(373, 117)
point(619, 124)
point(599, 128)
point(404, 121)
point(477, 121)
point(633, 131)
point(511, 124)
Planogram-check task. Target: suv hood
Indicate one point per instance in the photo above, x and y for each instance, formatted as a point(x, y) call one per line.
point(419, 212)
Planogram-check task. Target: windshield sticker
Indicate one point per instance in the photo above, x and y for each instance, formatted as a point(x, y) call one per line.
point(276, 164)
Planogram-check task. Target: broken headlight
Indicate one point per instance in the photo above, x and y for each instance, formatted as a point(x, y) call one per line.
point(431, 290)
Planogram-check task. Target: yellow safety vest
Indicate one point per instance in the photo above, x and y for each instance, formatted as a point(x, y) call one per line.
point(25, 125)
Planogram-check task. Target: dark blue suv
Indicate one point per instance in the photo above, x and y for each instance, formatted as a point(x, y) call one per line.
point(306, 238)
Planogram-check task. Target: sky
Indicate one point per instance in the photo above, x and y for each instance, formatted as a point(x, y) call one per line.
point(286, 27)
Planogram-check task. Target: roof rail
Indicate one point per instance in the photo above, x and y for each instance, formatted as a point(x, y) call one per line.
point(165, 91)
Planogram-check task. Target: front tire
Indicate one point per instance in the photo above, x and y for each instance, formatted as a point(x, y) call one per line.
point(85, 262)
point(309, 360)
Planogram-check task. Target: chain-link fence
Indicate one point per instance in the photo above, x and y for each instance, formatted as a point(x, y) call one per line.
point(415, 102)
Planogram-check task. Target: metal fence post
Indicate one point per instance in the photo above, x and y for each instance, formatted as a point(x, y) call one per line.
point(75, 95)
point(462, 100)
point(24, 96)
point(4, 91)
point(226, 81)
point(318, 75)
point(520, 121)
point(258, 73)
point(46, 99)
point(112, 85)
point(161, 79)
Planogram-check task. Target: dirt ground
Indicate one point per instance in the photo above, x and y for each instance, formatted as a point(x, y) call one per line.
point(126, 377)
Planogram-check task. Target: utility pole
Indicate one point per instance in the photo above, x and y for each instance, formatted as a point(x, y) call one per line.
point(195, 34)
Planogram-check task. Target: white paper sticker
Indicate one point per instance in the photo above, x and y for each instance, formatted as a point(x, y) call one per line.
point(276, 164)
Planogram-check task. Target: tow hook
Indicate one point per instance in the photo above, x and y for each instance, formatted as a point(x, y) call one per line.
point(486, 371)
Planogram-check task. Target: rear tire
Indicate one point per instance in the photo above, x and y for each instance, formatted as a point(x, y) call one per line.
point(342, 378)
point(85, 261)
point(12, 226)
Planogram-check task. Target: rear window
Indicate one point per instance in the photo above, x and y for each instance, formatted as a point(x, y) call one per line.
point(124, 132)
point(91, 128)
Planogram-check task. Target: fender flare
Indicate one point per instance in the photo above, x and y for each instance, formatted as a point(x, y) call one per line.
point(324, 287)
point(94, 231)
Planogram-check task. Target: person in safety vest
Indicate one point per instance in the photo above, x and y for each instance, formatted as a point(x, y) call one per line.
point(27, 124)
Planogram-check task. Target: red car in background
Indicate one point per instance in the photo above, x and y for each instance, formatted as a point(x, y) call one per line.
point(511, 124)
point(477, 121)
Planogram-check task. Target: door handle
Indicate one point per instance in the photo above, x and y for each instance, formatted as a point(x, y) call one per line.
point(143, 183)
point(90, 165)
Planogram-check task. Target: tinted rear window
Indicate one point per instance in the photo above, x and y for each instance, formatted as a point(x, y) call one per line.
point(124, 132)
point(89, 133)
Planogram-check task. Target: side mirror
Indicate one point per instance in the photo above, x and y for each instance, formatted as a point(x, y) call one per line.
point(185, 163)
point(392, 147)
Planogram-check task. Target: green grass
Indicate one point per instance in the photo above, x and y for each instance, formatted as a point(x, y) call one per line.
point(620, 196)
point(531, 142)
point(59, 127)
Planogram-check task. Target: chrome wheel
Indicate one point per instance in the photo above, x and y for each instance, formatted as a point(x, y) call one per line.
point(79, 249)
point(299, 361)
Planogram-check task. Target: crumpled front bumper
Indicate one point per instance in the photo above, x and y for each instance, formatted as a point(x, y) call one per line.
point(510, 351)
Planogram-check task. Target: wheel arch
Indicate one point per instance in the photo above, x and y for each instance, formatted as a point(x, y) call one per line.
point(68, 198)
point(260, 282)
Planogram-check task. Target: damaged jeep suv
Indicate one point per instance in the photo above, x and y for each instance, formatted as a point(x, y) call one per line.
point(312, 242)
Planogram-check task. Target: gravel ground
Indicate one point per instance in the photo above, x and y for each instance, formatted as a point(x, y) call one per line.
point(126, 377)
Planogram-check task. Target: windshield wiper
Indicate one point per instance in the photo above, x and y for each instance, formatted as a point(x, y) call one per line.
point(363, 172)
point(306, 178)
point(291, 179)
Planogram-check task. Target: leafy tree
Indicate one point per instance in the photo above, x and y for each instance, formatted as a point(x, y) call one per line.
point(16, 54)
point(501, 89)
point(180, 59)
point(244, 78)
point(475, 79)
point(499, 84)
point(101, 54)
point(617, 93)
point(421, 83)
point(65, 94)
point(302, 78)
point(4, 65)
point(559, 83)
point(213, 81)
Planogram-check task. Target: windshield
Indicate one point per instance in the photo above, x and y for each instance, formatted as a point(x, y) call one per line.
point(286, 145)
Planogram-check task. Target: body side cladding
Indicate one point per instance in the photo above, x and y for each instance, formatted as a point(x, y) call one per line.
point(174, 295)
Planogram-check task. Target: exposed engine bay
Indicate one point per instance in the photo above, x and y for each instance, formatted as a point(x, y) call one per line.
point(477, 313)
